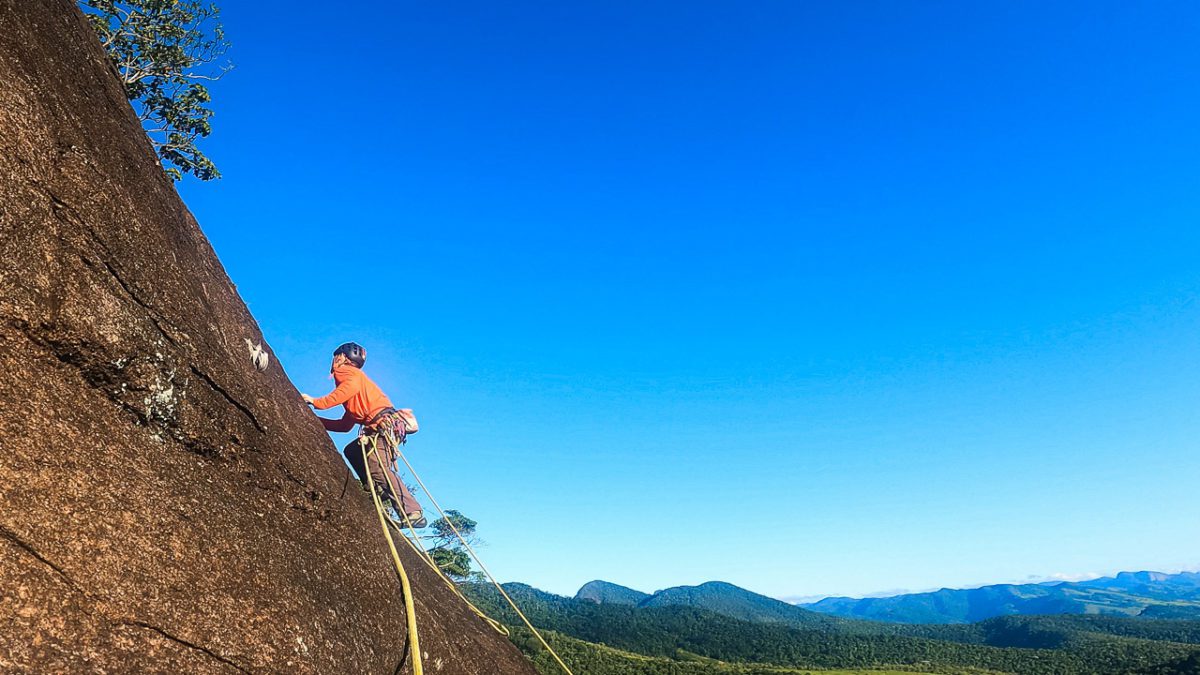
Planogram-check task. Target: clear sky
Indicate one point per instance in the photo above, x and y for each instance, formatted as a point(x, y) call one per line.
point(813, 298)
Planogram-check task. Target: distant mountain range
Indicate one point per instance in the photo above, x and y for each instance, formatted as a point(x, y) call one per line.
point(1146, 594)
point(1152, 594)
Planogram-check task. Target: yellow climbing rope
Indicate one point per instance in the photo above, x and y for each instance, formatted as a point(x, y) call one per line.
point(423, 554)
point(432, 564)
point(414, 650)
point(414, 645)
point(474, 555)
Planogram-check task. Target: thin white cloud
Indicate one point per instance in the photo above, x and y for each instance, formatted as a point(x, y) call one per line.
point(801, 599)
point(1062, 576)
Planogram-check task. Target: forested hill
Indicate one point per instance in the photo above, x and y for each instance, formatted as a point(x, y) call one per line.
point(738, 603)
point(715, 596)
point(606, 592)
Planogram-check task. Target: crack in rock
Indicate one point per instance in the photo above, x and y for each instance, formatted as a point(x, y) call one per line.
point(154, 315)
point(185, 643)
point(66, 213)
point(229, 397)
point(28, 548)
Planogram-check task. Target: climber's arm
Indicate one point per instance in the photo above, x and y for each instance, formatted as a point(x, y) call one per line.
point(342, 393)
point(345, 424)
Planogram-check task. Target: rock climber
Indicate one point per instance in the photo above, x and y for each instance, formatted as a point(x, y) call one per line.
point(367, 405)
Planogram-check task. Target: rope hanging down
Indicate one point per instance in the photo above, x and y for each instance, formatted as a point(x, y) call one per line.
point(414, 646)
point(424, 555)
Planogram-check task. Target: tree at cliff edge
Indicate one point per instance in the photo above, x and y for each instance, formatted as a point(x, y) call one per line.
point(162, 51)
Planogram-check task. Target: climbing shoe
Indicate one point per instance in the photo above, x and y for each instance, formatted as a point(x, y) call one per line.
point(417, 520)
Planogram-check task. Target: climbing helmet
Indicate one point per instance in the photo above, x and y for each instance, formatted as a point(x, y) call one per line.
point(354, 352)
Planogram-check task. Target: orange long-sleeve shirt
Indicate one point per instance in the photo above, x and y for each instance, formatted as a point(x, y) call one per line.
point(362, 398)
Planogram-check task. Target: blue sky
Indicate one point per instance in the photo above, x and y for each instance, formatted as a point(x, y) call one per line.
point(814, 298)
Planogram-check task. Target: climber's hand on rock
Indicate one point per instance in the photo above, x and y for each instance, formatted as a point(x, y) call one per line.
point(307, 399)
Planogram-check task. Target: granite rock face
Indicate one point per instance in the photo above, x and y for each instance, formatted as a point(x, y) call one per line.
point(164, 506)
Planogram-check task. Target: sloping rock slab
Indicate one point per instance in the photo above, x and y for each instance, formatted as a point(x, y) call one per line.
point(163, 506)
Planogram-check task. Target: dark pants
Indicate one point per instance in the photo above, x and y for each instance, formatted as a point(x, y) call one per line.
point(386, 480)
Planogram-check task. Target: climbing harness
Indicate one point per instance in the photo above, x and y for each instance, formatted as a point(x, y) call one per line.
point(414, 651)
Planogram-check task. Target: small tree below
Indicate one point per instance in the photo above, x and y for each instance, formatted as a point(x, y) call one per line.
point(447, 550)
point(163, 51)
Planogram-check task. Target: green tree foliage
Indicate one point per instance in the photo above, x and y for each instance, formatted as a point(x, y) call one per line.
point(454, 562)
point(447, 550)
point(594, 659)
point(164, 51)
point(1187, 665)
